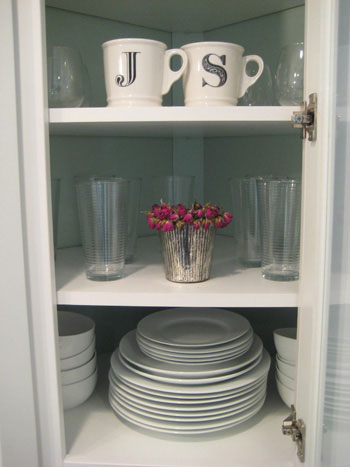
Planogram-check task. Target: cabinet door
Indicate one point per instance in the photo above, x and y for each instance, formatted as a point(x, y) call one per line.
point(322, 300)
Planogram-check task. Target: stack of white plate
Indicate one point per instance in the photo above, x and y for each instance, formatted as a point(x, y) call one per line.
point(77, 357)
point(285, 365)
point(202, 381)
point(337, 392)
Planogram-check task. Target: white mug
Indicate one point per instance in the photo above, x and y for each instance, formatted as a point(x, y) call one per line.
point(216, 73)
point(138, 71)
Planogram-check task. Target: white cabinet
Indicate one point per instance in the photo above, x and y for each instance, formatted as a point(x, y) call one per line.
point(210, 143)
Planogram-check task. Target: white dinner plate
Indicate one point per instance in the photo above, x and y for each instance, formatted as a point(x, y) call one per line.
point(188, 429)
point(193, 327)
point(245, 339)
point(179, 398)
point(204, 405)
point(132, 354)
point(190, 417)
point(209, 387)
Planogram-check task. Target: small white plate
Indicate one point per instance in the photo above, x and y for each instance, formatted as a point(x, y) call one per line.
point(193, 327)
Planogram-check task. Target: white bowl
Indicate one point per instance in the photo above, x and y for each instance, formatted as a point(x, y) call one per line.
point(286, 343)
point(79, 359)
point(77, 393)
point(286, 368)
point(287, 395)
point(289, 382)
point(75, 331)
point(78, 374)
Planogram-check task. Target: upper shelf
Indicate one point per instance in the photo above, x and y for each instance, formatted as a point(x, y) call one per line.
point(179, 15)
point(172, 121)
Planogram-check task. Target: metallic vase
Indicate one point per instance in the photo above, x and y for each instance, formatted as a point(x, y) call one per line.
point(187, 253)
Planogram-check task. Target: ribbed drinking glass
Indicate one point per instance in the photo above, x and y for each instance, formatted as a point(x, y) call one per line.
point(249, 244)
point(279, 202)
point(103, 216)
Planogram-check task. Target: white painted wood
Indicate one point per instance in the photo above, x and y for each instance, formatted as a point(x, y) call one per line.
point(18, 420)
point(319, 73)
point(145, 283)
point(96, 437)
point(182, 15)
point(35, 173)
point(172, 121)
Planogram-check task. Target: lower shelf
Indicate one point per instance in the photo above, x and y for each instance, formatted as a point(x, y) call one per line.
point(95, 437)
point(144, 283)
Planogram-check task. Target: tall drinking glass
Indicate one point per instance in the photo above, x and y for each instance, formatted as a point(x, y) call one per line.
point(249, 244)
point(134, 196)
point(103, 214)
point(290, 75)
point(279, 202)
point(174, 189)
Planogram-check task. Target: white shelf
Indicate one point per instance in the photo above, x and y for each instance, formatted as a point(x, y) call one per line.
point(172, 121)
point(182, 15)
point(95, 437)
point(145, 283)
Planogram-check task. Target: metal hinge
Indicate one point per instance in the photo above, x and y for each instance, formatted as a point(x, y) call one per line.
point(295, 428)
point(306, 118)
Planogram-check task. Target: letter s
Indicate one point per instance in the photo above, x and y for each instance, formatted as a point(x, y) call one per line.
point(215, 69)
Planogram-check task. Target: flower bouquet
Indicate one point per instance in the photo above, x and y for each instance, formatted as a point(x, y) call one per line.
point(187, 238)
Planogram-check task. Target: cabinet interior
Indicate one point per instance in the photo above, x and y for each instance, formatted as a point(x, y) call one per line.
point(213, 160)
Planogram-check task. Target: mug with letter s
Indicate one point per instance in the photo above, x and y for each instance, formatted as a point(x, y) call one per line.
point(138, 71)
point(216, 73)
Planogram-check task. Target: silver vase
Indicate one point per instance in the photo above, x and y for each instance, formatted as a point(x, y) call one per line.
point(187, 253)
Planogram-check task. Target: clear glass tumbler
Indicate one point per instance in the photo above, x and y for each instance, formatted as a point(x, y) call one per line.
point(261, 92)
point(65, 78)
point(174, 189)
point(279, 203)
point(290, 75)
point(134, 197)
point(247, 218)
point(103, 216)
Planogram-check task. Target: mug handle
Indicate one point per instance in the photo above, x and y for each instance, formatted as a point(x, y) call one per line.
point(249, 80)
point(170, 76)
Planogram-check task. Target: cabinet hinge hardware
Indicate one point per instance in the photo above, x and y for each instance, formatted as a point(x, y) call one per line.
point(295, 428)
point(306, 118)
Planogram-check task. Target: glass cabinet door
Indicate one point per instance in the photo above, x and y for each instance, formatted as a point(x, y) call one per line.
point(336, 386)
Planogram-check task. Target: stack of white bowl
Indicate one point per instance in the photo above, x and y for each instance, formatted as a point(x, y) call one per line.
point(286, 345)
point(77, 357)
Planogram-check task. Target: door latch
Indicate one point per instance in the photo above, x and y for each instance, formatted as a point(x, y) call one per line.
point(296, 429)
point(306, 118)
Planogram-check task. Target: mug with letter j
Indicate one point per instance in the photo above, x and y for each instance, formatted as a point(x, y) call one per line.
point(216, 73)
point(138, 71)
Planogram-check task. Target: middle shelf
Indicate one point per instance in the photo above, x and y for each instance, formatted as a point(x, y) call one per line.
point(145, 284)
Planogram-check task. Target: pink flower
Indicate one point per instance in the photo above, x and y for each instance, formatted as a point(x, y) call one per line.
point(151, 223)
point(181, 210)
point(227, 218)
point(196, 224)
point(159, 225)
point(188, 218)
point(167, 226)
point(219, 223)
point(200, 213)
point(206, 224)
point(165, 211)
point(211, 212)
point(174, 217)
